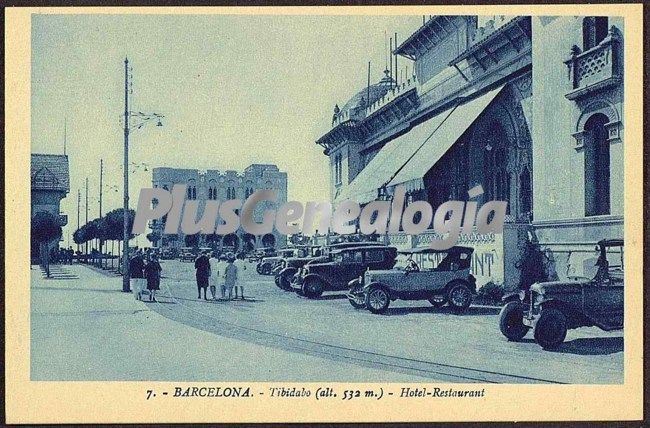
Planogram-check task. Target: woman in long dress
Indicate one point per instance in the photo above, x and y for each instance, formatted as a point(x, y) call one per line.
point(216, 272)
point(152, 272)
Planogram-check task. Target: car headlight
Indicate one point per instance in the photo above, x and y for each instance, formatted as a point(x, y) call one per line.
point(522, 295)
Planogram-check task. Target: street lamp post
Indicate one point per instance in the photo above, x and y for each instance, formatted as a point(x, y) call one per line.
point(142, 118)
point(125, 238)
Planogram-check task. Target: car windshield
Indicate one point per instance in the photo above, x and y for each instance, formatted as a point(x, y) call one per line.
point(348, 257)
point(610, 261)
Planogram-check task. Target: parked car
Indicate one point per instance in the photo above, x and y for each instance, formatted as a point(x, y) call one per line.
point(552, 308)
point(291, 265)
point(439, 276)
point(266, 265)
point(257, 255)
point(343, 265)
point(186, 254)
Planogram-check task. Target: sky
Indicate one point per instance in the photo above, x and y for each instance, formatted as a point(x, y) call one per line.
point(234, 90)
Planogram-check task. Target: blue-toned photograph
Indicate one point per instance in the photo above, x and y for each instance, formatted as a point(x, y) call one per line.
point(321, 198)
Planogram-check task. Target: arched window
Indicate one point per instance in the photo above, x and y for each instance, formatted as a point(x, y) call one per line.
point(594, 31)
point(597, 168)
point(495, 162)
point(338, 168)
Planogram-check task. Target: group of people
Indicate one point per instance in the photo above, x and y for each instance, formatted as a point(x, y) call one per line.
point(147, 266)
point(214, 272)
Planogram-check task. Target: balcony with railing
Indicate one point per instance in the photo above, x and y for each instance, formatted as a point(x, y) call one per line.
point(597, 68)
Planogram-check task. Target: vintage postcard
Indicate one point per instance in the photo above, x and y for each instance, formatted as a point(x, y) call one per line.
point(319, 214)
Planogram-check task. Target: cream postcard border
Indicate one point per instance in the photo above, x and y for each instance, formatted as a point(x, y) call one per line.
point(120, 402)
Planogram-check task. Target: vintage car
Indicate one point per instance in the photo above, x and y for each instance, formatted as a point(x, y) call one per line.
point(342, 266)
point(551, 308)
point(257, 255)
point(187, 254)
point(266, 265)
point(441, 277)
point(291, 266)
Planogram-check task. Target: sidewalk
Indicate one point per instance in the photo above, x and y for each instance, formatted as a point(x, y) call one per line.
point(87, 329)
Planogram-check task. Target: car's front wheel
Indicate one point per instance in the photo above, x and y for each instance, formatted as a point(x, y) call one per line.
point(356, 297)
point(551, 328)
point(459, 296)
point(377, 299)
point(312, 288)
point(285, 280)
point(511, 321)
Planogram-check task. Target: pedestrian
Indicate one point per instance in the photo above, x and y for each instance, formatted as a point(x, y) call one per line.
point(230, 277)
point(152, 272)
point(221, 265)
point(136, 270)
point(241, 266)
point(216, 271)
point(202, 266)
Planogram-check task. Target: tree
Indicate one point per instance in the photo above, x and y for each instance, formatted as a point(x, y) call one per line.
point(45, 227)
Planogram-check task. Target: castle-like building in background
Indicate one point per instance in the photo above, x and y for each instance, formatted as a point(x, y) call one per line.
point(216, 185)
point(531, 108)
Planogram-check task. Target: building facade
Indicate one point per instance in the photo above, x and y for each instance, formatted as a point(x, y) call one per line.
point(494, 101)
point(578, 138)
point(50, 183)
point(216, 185)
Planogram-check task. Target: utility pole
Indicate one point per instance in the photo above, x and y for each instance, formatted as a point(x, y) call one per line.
point(101, 189)
point(86, 210)
point(78, 207)
point(125, 245)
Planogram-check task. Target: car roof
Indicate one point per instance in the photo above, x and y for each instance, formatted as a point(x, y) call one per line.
point(611, 242)
point(341, 245)
point(429, 250)
point(364, 247)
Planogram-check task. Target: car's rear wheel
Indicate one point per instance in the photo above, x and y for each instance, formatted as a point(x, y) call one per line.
point(312, 288)
point(438, 301)
point(551, 328)
point(459, 296)
point(511, 321)
point(377, 299)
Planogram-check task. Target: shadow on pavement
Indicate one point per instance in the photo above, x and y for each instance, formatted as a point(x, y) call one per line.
point(471, 311)
point(96, 290)
point(332, 297)
point(592, 346)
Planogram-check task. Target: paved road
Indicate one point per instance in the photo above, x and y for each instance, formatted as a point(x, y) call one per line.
point(83, 327)
point(412, 339)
